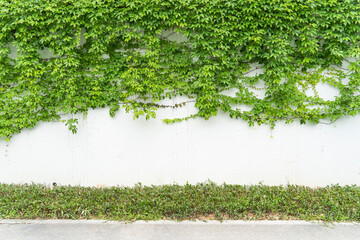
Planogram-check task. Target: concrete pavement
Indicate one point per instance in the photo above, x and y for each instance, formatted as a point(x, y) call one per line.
point(169, 230)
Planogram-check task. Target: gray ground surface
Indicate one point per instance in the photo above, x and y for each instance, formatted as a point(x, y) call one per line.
point(167, 230)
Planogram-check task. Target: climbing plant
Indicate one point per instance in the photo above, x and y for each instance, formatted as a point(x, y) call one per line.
point(117, 53)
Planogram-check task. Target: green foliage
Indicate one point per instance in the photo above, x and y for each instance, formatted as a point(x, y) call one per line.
point(201, 201)
point(299, 44)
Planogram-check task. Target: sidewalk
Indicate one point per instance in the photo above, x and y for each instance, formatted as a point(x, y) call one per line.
point(169, 230)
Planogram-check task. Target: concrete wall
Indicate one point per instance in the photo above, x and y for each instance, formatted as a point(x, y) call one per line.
point(123, 151)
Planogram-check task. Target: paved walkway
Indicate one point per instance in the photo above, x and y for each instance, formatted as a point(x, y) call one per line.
point(168, 230)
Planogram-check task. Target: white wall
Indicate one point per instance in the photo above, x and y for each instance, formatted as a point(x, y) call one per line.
point(123, 151)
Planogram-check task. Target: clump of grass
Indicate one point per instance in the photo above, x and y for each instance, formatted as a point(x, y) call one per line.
point(189, 202)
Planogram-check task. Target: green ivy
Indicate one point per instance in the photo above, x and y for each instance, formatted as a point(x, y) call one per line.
point(298, 44)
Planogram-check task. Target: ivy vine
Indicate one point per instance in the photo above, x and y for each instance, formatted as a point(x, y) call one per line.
point(126, 59)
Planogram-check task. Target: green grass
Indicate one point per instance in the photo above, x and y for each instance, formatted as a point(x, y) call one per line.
point(202, 201)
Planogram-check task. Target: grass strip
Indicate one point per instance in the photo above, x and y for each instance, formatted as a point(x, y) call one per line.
point(204, 201)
